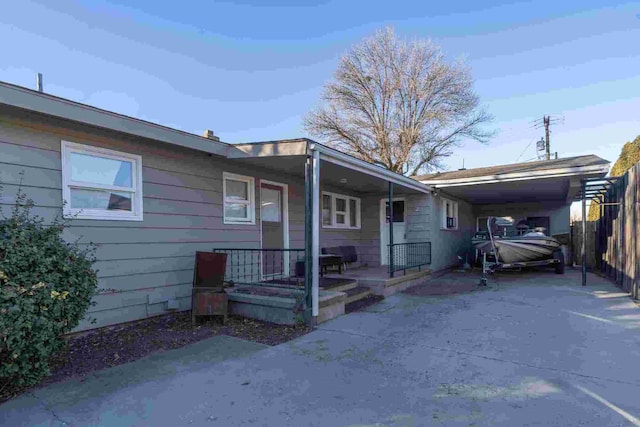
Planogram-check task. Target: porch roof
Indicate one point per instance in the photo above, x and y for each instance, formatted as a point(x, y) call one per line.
point(336, 168)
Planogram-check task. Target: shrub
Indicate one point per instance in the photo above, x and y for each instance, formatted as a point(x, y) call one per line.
point(46, 286)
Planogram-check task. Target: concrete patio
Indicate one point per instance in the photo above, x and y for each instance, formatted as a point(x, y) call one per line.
point(530, 349)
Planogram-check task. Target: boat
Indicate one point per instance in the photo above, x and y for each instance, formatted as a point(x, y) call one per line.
point(529, 246)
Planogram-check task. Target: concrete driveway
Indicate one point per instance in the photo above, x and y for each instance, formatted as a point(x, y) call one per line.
point(531, 349)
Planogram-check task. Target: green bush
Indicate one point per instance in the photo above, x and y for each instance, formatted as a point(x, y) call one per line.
point(46, 286)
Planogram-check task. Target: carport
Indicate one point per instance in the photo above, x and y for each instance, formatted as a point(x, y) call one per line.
point(538, 194)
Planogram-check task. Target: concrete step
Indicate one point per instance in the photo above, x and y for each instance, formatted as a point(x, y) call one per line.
point(337, 284)
point(357, 293)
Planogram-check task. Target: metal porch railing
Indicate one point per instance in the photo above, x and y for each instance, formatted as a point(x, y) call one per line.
point(404, 256)
point(267, 267)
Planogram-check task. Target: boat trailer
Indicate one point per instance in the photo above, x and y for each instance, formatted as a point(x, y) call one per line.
point(490, 267)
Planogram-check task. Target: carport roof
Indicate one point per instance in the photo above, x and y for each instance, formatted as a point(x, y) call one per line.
point(505, 171)
point(556, 181)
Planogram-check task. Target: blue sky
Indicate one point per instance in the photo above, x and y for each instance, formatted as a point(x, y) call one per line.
point(250, 69)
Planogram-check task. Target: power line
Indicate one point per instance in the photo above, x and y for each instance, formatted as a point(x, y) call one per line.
point(526, 148)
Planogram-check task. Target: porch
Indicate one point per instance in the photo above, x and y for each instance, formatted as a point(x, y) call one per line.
point(269, 284)
point(334, 209)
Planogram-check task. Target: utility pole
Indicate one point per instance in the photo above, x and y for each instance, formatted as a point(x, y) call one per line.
point(547, 122)
point(544, 145)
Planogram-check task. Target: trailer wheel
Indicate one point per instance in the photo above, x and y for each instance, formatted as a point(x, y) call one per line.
point(559, 266)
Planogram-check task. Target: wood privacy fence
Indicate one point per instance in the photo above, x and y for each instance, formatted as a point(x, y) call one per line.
point(616, 247)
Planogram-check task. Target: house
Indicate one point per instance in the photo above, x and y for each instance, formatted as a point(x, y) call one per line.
point(150, 196)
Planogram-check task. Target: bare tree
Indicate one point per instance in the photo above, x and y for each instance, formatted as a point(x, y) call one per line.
point(398, 103)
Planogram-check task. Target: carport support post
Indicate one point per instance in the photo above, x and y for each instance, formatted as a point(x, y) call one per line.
point(584, 234)
point(391, 248)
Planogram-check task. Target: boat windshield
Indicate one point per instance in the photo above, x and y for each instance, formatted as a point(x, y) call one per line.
point(501, 227)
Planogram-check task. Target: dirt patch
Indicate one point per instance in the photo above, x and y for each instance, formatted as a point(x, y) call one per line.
point(363, 303)
point(446, 285)
point(107, 347)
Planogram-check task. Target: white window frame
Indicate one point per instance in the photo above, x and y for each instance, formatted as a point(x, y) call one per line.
point(454, 205)
point(347, 213)
point(250, 203)
point(136, 213)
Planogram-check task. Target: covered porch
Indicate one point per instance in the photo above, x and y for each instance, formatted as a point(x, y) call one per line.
point(328, 218)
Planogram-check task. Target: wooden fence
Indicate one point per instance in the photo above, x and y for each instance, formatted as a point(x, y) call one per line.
point(617, 244)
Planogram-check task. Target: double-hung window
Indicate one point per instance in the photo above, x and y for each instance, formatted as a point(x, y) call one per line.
point(101, 184)
point(239, 199)
point(339, 211)
point(449, 214)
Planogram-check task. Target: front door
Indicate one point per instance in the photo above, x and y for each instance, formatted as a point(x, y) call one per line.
point(273, 223)
point(399, 229)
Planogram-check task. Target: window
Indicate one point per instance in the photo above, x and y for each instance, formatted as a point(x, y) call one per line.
point(271, 204)
point(327, 210)
point(101, 184)
point(239, 196)
point(398, 211)
point(340, 211)
point(449, 215)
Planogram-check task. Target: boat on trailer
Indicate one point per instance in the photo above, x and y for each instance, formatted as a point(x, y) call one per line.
point(531, 247)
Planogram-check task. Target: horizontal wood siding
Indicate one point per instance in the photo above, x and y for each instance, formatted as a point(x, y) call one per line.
point(140, 264)
point(446, 245)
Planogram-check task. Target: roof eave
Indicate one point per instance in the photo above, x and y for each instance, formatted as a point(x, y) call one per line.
point(27, 99)
point(548, 173)
point(339, 158)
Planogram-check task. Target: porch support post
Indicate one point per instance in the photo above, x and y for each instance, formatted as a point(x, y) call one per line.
point(391, 248)
point(308, 239)
point(315, 236)
point(312, 234)
point(584, 234)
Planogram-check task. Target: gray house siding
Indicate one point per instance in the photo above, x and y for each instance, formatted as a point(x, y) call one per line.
point(140, 264)
point(558, 213)
point(418, 216)
point(448, 244)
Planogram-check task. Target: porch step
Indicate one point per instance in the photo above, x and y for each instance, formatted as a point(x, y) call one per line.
point(336, 284)
point(357, 293)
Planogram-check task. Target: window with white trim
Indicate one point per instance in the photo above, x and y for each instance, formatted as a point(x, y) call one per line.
point(340, 211)
point(239, 199)
point(449, 214)
point(101, 184)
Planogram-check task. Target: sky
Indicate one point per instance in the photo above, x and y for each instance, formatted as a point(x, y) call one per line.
point(251, 69)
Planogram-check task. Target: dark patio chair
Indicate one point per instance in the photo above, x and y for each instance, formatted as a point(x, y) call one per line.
point(208, 295)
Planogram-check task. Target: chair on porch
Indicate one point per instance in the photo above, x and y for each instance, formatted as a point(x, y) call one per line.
point(348, 254)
